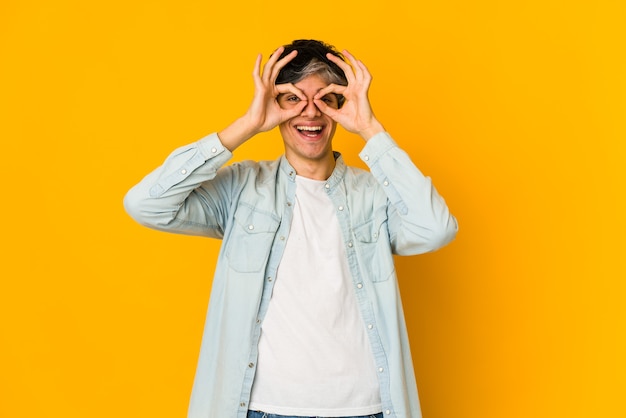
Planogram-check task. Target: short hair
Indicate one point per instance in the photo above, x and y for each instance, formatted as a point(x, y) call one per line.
point(311, 59)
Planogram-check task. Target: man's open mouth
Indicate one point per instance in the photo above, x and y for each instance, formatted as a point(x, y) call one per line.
point(309, 131)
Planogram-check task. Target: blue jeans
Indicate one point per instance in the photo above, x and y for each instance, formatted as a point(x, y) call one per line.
point(259, 414)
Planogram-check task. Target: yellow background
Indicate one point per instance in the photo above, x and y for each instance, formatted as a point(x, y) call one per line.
point(516, 110)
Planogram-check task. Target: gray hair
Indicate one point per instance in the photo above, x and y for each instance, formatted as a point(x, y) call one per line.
point(317, 67)
point(312, 59)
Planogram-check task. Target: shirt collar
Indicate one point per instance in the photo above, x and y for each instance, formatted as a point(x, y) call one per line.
point(335, 178)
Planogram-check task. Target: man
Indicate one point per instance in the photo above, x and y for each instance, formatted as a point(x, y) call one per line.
point(305, 317)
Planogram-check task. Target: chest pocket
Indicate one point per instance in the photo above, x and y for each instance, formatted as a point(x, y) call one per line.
point(374, 250)
point(251, 239)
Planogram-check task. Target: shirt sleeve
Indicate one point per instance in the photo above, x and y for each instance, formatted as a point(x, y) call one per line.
point(418, 218)
point(188, 194)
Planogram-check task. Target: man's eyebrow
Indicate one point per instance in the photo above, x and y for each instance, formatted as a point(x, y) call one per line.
point(322, 88)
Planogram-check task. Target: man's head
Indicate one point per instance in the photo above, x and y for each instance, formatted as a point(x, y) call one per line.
point(308, 136)
point(311, 59)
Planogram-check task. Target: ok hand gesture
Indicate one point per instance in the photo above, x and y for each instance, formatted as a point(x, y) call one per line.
point(264, 113)
point(356, 114)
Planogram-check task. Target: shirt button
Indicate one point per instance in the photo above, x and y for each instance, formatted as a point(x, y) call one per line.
point(350, 244)
point(183, 171)
point(366, 157)
point(359, 285)
point(386, 183)
point(380, 370)
point(250, 227)
point(269, 279)
point(251, 365)
point(242, 404)
point(375, 235)
point(388, 412)
point(327, 186)
point(340, 207)
point(282, 238)
point(370, 326)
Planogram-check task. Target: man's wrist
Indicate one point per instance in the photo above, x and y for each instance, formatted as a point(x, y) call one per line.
point(372, 130)
point(235, 134)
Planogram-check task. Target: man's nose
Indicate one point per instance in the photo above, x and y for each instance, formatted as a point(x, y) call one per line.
point(311, 110)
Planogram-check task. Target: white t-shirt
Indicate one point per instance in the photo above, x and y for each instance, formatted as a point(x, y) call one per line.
point(314, 355)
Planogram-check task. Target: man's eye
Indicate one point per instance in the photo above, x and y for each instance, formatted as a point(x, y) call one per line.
point(293, 99)
point(331, 100)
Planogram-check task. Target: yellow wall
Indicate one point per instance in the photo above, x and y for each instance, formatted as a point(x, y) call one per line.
point(516, 110)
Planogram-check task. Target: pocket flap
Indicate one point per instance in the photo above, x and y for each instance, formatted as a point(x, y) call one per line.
point(254, 221)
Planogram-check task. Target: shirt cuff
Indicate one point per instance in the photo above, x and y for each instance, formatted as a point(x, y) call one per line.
point(377, 145)
point(210, 146)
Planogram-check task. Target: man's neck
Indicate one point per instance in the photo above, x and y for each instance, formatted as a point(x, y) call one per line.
point(314, 169)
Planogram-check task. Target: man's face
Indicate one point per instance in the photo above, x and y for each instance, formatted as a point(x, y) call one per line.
point(308, 137)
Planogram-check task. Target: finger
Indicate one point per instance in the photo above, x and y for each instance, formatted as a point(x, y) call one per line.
point(347, 70)
point(280, 64)
point(328, 110)
point(293, 112)
point(367, 76)
point(331, 88)
point(358, 66)
point(256, 73)
point(290, 88)
point(267, 68)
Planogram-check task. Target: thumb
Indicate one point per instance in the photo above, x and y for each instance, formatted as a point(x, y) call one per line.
point(328, 110)
point(295, 111)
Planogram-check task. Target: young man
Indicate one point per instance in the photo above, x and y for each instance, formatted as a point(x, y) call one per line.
point(305, 317)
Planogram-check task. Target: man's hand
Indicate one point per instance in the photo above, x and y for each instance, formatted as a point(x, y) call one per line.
point(264, 113)
point(356, 114)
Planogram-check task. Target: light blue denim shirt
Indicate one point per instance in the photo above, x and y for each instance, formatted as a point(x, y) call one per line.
point(249, 205)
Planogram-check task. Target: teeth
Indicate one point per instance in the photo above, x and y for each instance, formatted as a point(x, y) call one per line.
point(309, 128)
